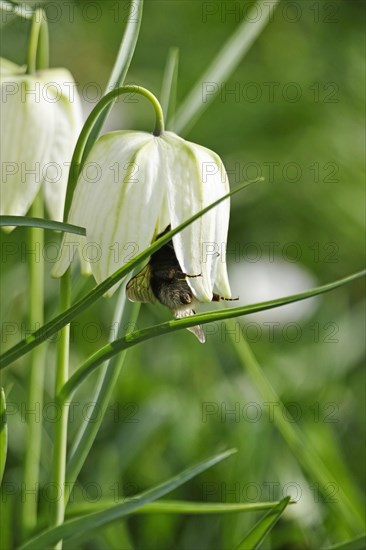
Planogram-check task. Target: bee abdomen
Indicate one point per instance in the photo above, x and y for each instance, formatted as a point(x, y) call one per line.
point(185, 297)
point(173, 295)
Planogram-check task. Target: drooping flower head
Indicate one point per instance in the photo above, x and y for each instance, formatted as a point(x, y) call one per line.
point(132, 186)
point(40, 121)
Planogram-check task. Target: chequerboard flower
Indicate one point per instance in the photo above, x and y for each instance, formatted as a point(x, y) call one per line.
point(40, 121)
point(132, 186)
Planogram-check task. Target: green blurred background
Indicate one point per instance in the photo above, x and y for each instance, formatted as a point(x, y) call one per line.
point(296, 118)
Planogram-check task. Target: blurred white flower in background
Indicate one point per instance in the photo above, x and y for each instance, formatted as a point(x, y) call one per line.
point(40, 121)
point(268, 279)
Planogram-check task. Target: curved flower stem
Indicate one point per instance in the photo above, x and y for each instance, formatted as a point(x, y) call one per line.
point(60, 434)
point(38, 48)
point(76, 162)
point(36, 373)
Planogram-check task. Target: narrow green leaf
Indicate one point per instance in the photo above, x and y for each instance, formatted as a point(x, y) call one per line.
point(358, 543)
point(126, 312)
point(136, 337)
point(68, 315)
point(121, 66)
point(24, 221)
point(43, 50)
point(169, 86)
point(261, 529)
point(80, 528)
point(3, 433)
point(223, 65)
point(176, 507)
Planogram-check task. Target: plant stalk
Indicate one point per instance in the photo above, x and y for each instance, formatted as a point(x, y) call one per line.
point(60, 434)
point(36, 374)
point(38, 49)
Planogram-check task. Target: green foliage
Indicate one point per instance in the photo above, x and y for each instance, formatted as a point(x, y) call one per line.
point(356, 544)
point(79, 528)
point(3, 433)
point(261, 529)
point(26, 221)
point(292, 402)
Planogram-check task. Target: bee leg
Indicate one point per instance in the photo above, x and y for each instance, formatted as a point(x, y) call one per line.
point(183, 276)
point(191, 276)
point(218, 298)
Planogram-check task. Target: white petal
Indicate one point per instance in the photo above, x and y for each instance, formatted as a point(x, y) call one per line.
point(120, 208)
point(27, 123)
point(60, 90)
point(164, 216)
point(220, 276)
point(7, 68)
point(196, 179)
point(70, 245)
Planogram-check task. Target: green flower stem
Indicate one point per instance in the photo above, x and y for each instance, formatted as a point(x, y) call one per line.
point(134, 338)
point(60, 434)
point(38, 48)
point(36, 372)
point(92, 120)
point(67, 316)
point(37, 53)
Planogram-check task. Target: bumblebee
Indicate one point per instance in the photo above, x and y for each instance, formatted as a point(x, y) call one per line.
point(163, 281)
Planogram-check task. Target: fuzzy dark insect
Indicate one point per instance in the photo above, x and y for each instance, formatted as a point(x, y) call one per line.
point(163, 281)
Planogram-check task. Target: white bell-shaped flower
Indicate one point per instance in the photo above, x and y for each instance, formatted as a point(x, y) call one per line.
point(132, 186)
point(41, 118)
